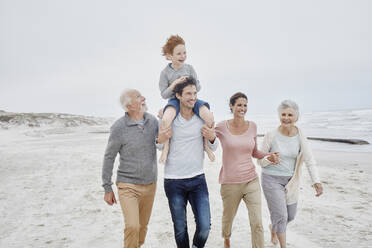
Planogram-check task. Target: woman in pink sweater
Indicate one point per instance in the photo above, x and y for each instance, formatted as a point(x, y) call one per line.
point(238, 178)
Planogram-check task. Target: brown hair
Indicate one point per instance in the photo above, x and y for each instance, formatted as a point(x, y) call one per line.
point(178, 89)
point(171, 43)
point(235, 97)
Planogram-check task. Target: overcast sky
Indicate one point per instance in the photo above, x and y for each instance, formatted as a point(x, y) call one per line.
point(76, 56)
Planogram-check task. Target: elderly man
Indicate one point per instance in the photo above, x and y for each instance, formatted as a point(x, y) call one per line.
point(184, 179)
point(134, 136)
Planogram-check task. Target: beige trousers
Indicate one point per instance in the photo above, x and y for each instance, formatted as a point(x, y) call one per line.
point(250, 192)
point(136, 202)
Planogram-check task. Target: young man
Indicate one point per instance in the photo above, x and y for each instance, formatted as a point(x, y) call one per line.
point(134, 136)
point(184, 175)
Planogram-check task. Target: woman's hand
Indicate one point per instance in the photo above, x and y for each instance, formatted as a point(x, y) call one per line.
point(318, 188)
point(274, 158)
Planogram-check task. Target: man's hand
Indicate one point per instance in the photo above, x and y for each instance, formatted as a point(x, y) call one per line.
point(318, 188)
point(164, 135)
point(209, 133)
point(274, 158)
point(110, 198)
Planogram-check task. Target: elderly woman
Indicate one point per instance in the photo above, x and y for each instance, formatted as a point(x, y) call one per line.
point(238, 177)
point(280, 182)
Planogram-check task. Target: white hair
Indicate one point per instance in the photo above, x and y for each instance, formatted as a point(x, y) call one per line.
point(125, 99)
point(288, 104)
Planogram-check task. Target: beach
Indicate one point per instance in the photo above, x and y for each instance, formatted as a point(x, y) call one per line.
point(67, 73)
point(51, 196)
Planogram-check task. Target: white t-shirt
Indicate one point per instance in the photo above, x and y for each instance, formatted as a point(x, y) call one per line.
point(186, 151)
point(288, 148)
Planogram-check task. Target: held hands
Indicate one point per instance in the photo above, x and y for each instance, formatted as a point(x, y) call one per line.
point(164, 135)
point(110, 198)
point(318, 188)
point(209, 132)
point(274, 158)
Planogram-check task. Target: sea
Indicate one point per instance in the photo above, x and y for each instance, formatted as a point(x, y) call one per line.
point(343, 124)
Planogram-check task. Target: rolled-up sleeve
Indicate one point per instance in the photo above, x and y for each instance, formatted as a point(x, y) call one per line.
point(257, 153)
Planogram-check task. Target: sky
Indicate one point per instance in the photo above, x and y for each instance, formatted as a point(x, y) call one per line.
point(77, 56)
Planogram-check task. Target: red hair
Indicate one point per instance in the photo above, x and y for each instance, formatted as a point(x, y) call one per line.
point(171, 43)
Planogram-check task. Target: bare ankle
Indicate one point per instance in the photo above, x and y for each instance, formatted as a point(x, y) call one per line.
point(227, 243)
point(274, 237)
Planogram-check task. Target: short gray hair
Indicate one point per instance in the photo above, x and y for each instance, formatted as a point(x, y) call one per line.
point(288, 104)
point(125, 99)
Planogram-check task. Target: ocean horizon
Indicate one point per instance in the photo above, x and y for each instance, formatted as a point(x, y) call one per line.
point(341, 124)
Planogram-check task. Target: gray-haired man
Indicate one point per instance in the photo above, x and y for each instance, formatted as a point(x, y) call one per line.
point(134, 136)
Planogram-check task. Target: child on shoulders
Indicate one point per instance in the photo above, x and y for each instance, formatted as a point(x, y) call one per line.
point(174, 73)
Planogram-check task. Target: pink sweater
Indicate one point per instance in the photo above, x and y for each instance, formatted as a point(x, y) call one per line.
point(238, 150)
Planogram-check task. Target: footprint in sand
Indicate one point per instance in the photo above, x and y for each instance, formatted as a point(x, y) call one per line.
point(164, 235)
point(358, 207)
point(354, 179)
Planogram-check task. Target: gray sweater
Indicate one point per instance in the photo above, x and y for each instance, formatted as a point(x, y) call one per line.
point(168, 75)
point(136, 144)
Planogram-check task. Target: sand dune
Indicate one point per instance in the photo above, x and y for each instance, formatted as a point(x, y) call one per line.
point(13, 120)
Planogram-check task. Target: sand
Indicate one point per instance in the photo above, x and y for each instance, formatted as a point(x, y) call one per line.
point(51, 196)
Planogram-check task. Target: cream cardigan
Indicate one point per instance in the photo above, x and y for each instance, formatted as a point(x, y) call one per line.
point(305, 155)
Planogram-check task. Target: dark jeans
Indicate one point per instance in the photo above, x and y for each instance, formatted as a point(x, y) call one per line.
point(195, 191)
